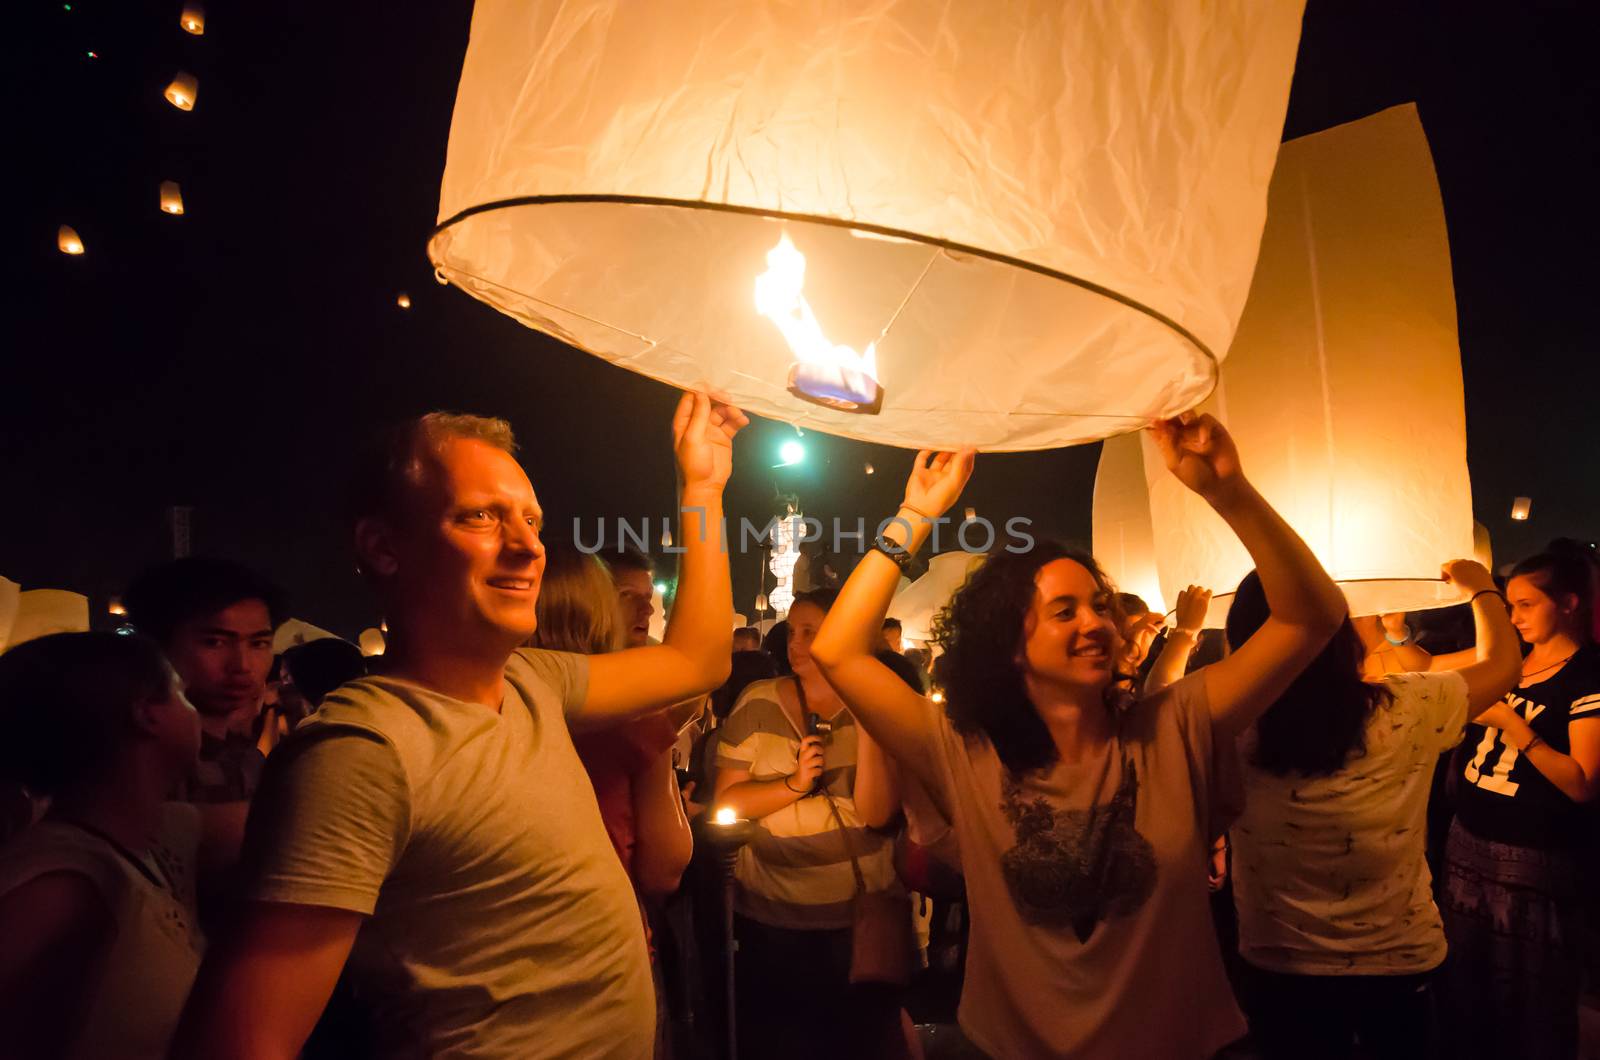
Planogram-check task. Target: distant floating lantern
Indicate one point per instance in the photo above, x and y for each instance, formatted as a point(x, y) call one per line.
point(828, 218)
point(372, 642)
point(970, 514)
point(115, 607)
point(1355, 265)
point(869, 469)
point(183, 91)
point(404, 301)
point(193, 19)
point(761, 602)
point(666, 537)
point(67, 240)
point(1521, 508)
point(171, 197)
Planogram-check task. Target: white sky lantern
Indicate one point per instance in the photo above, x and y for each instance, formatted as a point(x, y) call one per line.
point(1343, 387)
point(67, 240)
point(1521, 508)
point(171, 197)
point(920, 223)
point(918, 603)
point(403, 301)
point(372, 642)
point(183, 91)
point(193, 19)
point(1124, 542)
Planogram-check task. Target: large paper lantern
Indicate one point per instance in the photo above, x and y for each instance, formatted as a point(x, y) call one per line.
point(193, 19)
point(67, 240)
point(1124, 542)
point(1033, 223)
point(372, 642)
point(1343, 387)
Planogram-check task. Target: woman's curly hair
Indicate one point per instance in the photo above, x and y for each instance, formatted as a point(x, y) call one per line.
point(981, 631)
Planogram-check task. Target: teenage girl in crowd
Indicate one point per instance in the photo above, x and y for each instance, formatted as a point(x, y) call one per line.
point(1511, 892)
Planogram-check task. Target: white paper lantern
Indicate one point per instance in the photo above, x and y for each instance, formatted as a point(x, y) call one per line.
point(193, 19)
point(293, 631)
point(1343, 387)
point(1033, 222)
point(372, 642)
point(1124, 542)
point(67, 240)
point(917, 604)
point(1521, 508)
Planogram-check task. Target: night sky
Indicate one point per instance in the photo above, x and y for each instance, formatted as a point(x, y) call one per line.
point(231, 358)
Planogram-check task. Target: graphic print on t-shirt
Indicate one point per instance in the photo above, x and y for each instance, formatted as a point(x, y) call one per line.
point(1077, 867)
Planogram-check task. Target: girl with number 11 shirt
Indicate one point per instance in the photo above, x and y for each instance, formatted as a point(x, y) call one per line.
point(1510, 893)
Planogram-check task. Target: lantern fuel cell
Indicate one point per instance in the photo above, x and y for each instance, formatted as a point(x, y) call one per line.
point(989, 258)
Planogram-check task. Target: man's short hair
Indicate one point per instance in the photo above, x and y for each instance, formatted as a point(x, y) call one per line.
point(891, 623)
point(749, 633)
point(627, 558)
point(164, 597)
point(392, 463)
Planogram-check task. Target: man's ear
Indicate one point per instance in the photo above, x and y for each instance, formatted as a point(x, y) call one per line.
point(375, 547)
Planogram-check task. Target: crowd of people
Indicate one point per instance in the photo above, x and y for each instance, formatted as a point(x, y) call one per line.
point(501, 837)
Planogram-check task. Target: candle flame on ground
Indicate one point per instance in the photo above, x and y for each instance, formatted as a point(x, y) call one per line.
point(725, 815)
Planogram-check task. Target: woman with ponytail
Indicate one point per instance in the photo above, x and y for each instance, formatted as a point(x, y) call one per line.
point(1510, 896)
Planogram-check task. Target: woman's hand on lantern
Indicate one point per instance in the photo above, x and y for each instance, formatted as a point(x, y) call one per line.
point(702, 439)
point(1200, 452)
point(1468, 575)
point(937, 479)
point(1190, 615)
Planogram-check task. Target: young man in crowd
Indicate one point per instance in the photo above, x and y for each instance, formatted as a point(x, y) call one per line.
point(634, 576)
point(892, 636)
point(432, 823)
point(747, 638)
point(214, 620)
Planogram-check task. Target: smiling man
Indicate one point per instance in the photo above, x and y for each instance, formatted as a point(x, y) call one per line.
point(432, 823)
point(214, 620)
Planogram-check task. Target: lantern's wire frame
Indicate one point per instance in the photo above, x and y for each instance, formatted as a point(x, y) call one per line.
point(1230, 594)
point(860, 226)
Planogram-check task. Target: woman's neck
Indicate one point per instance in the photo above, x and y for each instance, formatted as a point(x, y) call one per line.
point(820, 696)
point(1546, 653)
point(125, 806)
point(1078, 720)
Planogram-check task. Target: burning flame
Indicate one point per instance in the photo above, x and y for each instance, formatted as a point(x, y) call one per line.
point(780, 298)
point(725, 815)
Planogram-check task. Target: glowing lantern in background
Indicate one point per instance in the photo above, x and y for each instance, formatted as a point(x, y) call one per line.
point(115, 607)
point(67, 240)
point(372, 642)
point(1482, 546)
point(1124, 542)
point(919, 194)
point(171, 197)
point(10, 602)
point(1521, 508)
point(761, 602)
point(1343, 387)
point(183, 91)
point(785, 554)
point(41, 612)
point(193, 19)
point(404, 301)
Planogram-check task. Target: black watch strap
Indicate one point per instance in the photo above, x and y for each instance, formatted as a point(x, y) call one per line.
point(900, 554)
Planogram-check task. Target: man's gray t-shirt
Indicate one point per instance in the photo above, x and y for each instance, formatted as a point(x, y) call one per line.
point(500, 922)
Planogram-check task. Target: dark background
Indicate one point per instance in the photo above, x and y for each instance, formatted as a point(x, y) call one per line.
point(230, 359)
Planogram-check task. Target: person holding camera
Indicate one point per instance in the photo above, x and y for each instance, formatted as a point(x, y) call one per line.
point(787, 759)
